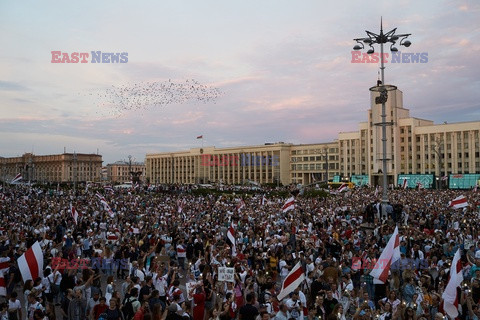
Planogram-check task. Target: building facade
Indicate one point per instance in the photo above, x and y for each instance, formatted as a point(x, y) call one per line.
point(414, 146)
point(66, 167)
point(122, 171)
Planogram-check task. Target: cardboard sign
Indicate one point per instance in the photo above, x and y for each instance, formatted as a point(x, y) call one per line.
point(226, 274)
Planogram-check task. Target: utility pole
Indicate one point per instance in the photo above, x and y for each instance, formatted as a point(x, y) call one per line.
point(74, 172)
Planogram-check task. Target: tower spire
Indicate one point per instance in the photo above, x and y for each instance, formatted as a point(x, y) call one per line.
point(381, 24)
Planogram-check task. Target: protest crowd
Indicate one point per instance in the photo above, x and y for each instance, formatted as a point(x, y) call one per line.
point(166, 253)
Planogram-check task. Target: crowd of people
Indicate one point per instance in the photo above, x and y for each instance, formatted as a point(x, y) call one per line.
point(157, 254)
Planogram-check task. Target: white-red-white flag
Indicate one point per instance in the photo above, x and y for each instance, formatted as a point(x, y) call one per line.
point(104, 202)
point(3, 286)
point(405, 184)
point(475, 188)
point(450, 294)
point(240, 205)
point(289, 205)
point(4, 264)
point(17, 178)
point(376, 192)
point(389, 255)
point(292, 281)
point(231, 239)
point(263, 200)
point(74, 213)
point(343, 187)
point(458, 203)
point(31, 263)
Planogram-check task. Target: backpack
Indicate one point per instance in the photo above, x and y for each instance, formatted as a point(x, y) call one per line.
point(127, 308)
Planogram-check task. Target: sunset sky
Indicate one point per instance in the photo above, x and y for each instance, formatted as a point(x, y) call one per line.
point(283, 67)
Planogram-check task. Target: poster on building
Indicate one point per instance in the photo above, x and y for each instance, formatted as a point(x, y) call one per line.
point(226, 274)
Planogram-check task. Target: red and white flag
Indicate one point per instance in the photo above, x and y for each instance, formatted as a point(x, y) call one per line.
point(31, 263)
point(343, 187)
point(458, 203)
point(74, 213)
point(450, 296)
point(4, 264)
point(292, 281)
point(3, 286)
point(109, 189)
point(405, 184)
point(104, 202)
point(17, 178)
point(389, 255)
point(419, 185)
point(376, 192)
point(240, 205)
point(475, 188)
point(231, 239)
point(263, 200)
point(444, 178)
point(289, 205)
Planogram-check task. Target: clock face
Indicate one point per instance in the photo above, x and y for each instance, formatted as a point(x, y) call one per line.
point(201, 151)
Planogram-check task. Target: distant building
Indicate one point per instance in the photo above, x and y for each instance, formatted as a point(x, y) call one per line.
point(414, 147)
point(122, 171)
point(66, 167)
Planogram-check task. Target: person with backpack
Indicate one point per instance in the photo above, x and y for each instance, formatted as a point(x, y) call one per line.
point(130, 304)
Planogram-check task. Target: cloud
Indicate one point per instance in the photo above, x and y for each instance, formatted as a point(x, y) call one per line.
point(12, 86)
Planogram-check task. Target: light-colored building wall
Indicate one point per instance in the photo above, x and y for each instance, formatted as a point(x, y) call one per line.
point(66, 167)
point(260, 164)
point(414, 146)
point(120, 171)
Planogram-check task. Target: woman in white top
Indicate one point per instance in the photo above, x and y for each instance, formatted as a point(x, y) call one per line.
point(109, 290)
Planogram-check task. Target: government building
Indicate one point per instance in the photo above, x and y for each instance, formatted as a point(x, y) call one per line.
point(419, 151)
point(57, 168)
point(125, 171)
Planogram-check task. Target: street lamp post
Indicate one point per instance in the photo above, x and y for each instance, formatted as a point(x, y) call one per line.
point(383, 38)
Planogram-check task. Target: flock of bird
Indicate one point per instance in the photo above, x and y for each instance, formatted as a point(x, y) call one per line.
point(117, 100)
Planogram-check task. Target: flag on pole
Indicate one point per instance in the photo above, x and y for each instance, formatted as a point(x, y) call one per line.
point(263, 200)
point(200, 137)
point(289, 205)
point(458, 203)
point(450, 295)
point(231, 239)
point(475, 188)
point(109, 189)
point(444, 178)
point(389, 255)
point(17, 178)
point(74, 213)
point(376, 191)
point(343, 187)
point(3, 286)
point(240, 205)
point(405, 184)
point(104, 202)
point(292, 281)
point(31, 263)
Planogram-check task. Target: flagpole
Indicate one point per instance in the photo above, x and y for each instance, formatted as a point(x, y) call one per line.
point(202, 141)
